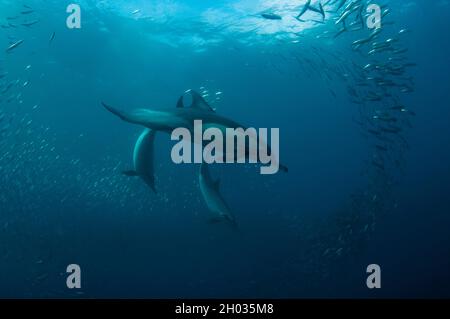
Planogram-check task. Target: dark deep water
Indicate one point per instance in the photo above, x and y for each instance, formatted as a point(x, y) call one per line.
point(311, 232)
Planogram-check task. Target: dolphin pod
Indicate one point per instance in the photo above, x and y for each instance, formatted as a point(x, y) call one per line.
point(167, 121)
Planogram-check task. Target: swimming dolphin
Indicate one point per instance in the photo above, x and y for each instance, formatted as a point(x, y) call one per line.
point(169, 120)
point(143, 158)
point(213, 199)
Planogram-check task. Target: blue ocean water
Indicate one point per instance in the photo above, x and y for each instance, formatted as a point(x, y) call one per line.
point(365, 136)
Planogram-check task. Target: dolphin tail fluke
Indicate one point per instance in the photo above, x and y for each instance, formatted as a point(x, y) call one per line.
point(151, 183)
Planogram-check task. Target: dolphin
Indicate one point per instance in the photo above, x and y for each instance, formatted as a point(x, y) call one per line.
point(171, 119)
point(213, 199)
point(143, 158)
point(168, 120)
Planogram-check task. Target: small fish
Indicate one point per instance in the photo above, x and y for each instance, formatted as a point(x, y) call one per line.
point(271, 16)
point(136, 11)
point(52, 37)
point(400, 51)
point(29, 24)
point(10, 85)
point(14, 45)
point(27, 11)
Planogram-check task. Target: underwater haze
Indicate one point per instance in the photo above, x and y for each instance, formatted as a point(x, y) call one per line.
point(363, 117)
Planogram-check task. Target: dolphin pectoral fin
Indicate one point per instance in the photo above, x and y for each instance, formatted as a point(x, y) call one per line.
point(198, 102)
point(130, 173)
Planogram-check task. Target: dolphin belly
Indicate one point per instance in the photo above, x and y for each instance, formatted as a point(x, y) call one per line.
point(143, 158)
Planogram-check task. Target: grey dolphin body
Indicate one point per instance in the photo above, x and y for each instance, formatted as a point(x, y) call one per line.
point(143, 158)
point(171, 119)
point(213, 199)
point(168, 120)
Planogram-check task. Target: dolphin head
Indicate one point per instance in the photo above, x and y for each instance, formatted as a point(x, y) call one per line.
point(154, 119)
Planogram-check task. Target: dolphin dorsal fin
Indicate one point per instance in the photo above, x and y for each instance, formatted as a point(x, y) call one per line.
point(180, 103)
point(198, 102)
